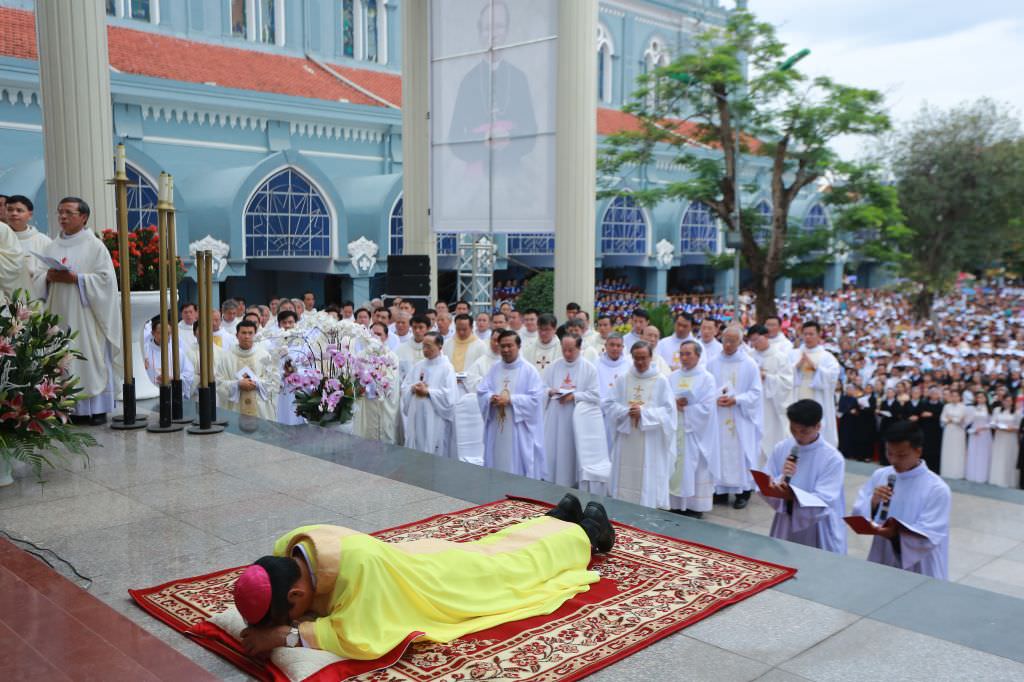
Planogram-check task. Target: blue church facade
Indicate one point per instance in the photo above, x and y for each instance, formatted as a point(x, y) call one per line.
point(283, 134)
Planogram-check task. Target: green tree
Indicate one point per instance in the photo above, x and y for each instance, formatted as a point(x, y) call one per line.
point(539, 293)
point(960, 176)
point(734, 80)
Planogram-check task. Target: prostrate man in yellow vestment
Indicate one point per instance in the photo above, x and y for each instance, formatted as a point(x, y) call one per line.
point(366, 596)
point(244, 381)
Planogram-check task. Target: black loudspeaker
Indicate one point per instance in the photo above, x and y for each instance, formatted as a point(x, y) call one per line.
point(408, 265)
point(408, 285)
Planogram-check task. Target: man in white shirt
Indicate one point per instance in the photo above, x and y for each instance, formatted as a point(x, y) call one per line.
point(546, 349)
point(639, 319)
point(309, 302)
point(483, 327)
point(401, 331)
point(529, 331)
point(444, 326)
point(411, 352)
point(711, 345)
point(778, 340)
point(19, 215)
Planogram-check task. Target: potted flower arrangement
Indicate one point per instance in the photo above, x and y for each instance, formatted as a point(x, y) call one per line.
point(37, 393)
point(144, 266)
point(328, 363)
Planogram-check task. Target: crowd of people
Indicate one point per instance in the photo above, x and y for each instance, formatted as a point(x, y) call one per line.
point(679, 421)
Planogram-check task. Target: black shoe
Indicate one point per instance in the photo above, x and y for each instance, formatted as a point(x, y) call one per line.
point(741, 500)
point(723, 498)
point(692, 514)
point(678, 511)
point(81, 419)
point(98, 419)
point(599, 528)
point(568, 509)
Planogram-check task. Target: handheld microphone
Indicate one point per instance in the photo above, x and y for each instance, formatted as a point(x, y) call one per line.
point(793, 457)
point(883, 513)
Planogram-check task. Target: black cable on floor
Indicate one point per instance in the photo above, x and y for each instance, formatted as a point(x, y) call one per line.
point(19, 541)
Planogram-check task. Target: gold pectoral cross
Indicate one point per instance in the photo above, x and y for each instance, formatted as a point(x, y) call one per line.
point(505, 393)
point(638, 399)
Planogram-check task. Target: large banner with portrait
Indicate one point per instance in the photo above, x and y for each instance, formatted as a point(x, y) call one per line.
point(493, 75)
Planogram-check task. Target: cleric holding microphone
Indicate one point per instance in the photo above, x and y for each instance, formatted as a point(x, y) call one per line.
point(915, 533)
point(808, 488)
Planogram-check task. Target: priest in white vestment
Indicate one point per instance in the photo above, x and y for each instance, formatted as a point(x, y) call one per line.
point(32, 241)
point(668, 347)
point(543, 352)
point(245, 382)
point(84, 293)
point(153, 357)
point(815, 372)
point(13, 273)
point(429, 394)
point(411, 352)
point(464, 347)
point(740, 414)
point(652, 335)
point(511, 399)
point(379, 417)
point(469, 422)
point(611, 364)
point(711, 345)
point(807, 476)
point(778, 340)
point(643, 416)
point(293, 356)
point(528, 334)
point(777, 389)
point(914, 535)
point(698, 466)
point(574, 440)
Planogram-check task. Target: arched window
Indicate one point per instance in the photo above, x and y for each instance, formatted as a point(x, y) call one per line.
point(605, 50)
point(396, 231)
point(624, 228)
point(364, 30)
point(447, 243)
point(763, 231)
point(531, 244)
point(816, 218)
point(698, 230)
point(287, 217)
point(655, 55)
point(142, 198)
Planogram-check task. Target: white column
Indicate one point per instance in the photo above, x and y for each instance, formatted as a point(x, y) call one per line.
point(575, 155)
point(74, 80)
point(416, 135)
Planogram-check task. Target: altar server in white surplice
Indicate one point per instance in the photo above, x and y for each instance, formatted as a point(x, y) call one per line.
point(643, 416)
point(153, 357)
point(811, 507)
point(244, 381)
point(32, 241)
point(543, 351)
point(428, 400)
point(697, 467)
point(511, 399)
point(815, 372)
point(915, 533)
point(777, 388)
point(85, 296)
point(574, 441)
point(740, 415)
point(13, 273)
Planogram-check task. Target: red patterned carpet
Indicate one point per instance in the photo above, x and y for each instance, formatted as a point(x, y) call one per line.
point(650, 587)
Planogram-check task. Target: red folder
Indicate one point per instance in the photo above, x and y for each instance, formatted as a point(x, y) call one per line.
point(764, 483)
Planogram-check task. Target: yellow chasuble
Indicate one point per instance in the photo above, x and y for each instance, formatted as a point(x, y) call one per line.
point(371, 595)
point(459, 351)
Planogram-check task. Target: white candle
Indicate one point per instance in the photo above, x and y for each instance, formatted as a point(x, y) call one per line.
point(162, 192)
point(120, 159)
point(170, 189)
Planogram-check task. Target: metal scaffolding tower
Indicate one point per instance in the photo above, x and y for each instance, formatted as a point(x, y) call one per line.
point(476, 271)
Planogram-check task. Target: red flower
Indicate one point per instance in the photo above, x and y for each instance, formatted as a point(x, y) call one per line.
point(36, 426)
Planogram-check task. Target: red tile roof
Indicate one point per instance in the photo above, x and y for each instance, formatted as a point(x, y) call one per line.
point(162, 56)
point(613, 121)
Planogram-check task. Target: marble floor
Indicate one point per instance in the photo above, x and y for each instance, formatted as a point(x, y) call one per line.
point(149, 508)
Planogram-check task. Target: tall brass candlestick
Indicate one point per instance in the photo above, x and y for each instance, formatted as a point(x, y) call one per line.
point(128, 418)
point(166, 423)
point(177, 387)
point(208, 256)
point(203, 424)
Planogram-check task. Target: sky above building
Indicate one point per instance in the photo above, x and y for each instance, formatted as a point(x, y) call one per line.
point(940, 52)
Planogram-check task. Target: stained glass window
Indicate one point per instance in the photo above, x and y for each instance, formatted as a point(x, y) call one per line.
point(816, 218)
point(698, 230)
point(397, 230)
point(531, 244)
point(287, 217)
point(604, 65)
point(348, 28)
point(624, 228)
point(142, 198)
